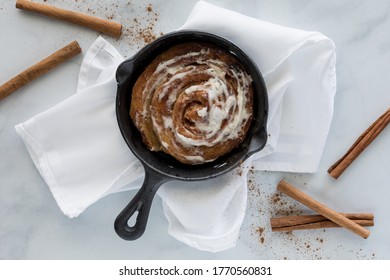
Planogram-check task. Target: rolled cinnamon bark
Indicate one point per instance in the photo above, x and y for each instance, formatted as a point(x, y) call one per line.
point(39, 69)
point(323, 224)
point(360, 144)
point(320, 208)
point(98, 24)
point(300, 222)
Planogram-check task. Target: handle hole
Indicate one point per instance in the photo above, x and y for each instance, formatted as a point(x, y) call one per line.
point(133, 219)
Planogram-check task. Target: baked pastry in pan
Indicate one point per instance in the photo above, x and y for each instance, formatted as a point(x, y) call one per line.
point(194, 102)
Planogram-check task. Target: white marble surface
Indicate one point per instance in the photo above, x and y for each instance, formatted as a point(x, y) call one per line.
point(32, 226)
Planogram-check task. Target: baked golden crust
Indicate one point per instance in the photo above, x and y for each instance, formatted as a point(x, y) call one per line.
point(194, 101)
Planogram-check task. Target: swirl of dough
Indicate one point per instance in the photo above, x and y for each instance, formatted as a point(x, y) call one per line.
point(194, 102)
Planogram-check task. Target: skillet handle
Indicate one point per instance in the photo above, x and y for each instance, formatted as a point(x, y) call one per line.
point(124, 70)
point(257, 143)
point(141, 203)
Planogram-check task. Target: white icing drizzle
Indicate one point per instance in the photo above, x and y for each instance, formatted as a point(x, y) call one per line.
point(202, 112)
point(195, 159)
point(224, 106)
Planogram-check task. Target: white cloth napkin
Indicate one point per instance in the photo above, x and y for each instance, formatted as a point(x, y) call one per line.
point(299, 70)
point(80, 153)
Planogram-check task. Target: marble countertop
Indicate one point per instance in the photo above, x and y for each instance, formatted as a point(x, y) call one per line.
point(33, 227)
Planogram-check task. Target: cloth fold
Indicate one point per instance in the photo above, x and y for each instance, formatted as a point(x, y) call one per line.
point(299, 68)
point(79, 151)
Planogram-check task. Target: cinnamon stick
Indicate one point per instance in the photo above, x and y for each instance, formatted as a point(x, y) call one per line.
point(39, 69)
point(101, 25)
point(360, 144)
point(324, 224)
point(289, 223)
point(320, 208)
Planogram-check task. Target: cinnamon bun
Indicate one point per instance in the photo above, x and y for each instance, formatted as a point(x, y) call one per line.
point(194, 102)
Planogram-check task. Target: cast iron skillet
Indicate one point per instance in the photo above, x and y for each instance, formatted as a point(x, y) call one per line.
point(160, 167)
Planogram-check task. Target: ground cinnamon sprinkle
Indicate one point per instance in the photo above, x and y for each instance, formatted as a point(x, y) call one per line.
point(281, 207)
point(148, 34)
point(260, 231)
point(141, 30)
